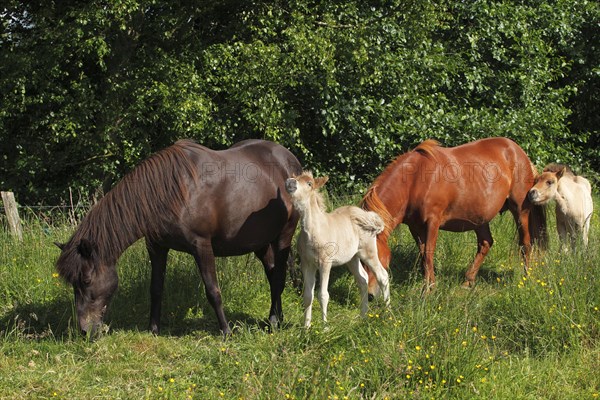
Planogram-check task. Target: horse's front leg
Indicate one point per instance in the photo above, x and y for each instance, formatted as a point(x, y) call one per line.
point(309, 274)
point(324, 271)
point(433, 228)
point(275, 263)
point(205, 260)
point(362, 280)
point(522, 220)
point(158, 260)
point(484, 243)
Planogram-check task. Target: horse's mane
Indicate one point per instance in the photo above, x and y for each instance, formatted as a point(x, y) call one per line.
point(320, 199)
point(427, 147)
point(146, 199)
point(555, 167)
point(371, 200)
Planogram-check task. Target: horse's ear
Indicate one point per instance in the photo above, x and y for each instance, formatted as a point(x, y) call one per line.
point(319, 182)
point(60, 245)
point(86, 248)
point(561, 172)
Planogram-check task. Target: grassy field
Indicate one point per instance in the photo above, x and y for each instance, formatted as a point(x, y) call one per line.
point(511, 337)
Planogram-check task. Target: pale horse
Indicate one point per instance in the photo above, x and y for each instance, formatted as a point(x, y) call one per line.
point(574, 205)
point(346, 235)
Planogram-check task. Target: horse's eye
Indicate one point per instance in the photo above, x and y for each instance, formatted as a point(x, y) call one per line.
point(549, 183)
point(309, 184)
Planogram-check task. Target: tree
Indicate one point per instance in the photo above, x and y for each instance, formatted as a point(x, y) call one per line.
point(89, 89)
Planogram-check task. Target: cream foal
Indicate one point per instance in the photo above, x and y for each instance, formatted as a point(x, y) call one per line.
point(574, 205)
point(347, 235)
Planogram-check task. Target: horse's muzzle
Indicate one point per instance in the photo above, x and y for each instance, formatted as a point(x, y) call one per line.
point(291, 185)
point(533, 196)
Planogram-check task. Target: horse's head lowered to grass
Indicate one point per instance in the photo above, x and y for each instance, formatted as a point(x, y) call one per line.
point(94, 283)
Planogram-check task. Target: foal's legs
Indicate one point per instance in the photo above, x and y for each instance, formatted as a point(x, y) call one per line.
point(324, 271)
point(368, 255)
point(205, 260)
point(484, 243)
point(309, 275)
point(586, 230)
point(362, 280)
point(158, 260)
point(561, 227)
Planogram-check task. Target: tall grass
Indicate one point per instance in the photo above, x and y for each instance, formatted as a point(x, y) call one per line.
point(510, 337)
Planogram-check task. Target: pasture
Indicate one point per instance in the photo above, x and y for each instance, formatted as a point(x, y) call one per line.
point(509, 337)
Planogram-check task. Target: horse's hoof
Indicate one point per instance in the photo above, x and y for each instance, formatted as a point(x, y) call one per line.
point(467, 285)
point(227, 334)
point(427, 289)
point(154, 329)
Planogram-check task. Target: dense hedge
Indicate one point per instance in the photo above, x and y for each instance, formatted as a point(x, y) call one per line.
point(89, 89)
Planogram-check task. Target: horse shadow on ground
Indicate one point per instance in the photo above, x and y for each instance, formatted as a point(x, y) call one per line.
point(405, 268)
point(185, 311)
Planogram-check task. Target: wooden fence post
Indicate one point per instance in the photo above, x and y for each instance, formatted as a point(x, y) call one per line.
point(10, 207)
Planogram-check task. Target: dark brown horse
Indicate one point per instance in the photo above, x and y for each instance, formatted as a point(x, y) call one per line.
point(456, 189)
point(193, 199)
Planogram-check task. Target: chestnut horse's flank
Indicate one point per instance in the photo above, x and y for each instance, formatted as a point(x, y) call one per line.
point(456, 189)
point(193, 199)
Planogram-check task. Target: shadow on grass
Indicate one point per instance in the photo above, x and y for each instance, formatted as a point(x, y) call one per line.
point(38, 320)
point(185, 310)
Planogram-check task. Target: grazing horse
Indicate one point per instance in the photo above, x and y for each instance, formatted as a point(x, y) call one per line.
point(574, 205)
point(188, 198)
point(344, 236)
point(456, 189)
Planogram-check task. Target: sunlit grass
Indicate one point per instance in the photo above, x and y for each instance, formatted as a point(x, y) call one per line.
point(511, 336)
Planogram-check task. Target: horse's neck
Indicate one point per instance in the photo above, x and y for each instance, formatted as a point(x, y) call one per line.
point(312, 215)
point(395, 198)
point(565, 194)
point(112, 241)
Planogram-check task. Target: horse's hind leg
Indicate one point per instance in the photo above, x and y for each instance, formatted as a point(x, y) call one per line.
point(368, 255)
point(205, 260)
point(586, 230)
point(484, 243)
point(158, 260)
point(362, 280)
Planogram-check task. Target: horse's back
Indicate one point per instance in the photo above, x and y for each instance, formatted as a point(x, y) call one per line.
point(467, 185)
point(489, 149)
point(578, 191)
point(239, 198)
point(584, 183)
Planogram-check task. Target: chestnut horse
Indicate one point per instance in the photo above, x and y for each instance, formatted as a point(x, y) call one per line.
point(456, 189)
point(188, 198)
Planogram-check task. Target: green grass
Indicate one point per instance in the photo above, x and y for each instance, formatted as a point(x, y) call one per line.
point(508, 338)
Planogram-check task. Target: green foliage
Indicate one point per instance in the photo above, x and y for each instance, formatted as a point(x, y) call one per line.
point(90, 89)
